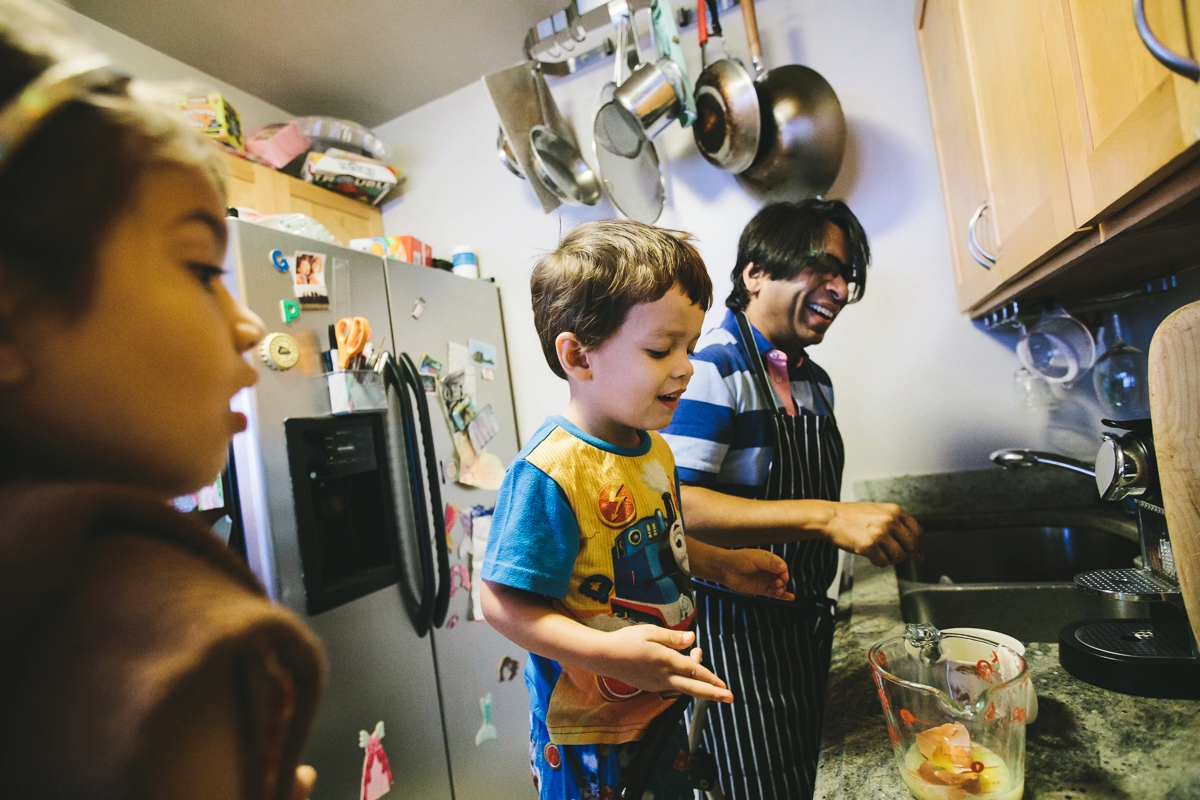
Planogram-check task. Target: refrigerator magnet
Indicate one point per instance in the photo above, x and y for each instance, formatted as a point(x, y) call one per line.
point(459, 578)
point(508, 669)
point(451, 516)
point(278, 261)
point(450, 623)
point(487, 730)
point(308, 280)
point(289, 310)
point(429, 365)
point(482, 354)
point(376, 772)
point(418, 308)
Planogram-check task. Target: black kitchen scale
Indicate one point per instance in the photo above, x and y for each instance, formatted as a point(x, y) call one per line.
point(1156, 657)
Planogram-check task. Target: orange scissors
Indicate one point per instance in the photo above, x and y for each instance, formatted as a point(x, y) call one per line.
point(352, 334)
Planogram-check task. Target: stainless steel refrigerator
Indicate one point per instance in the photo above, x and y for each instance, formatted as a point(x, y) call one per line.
point(308, 483)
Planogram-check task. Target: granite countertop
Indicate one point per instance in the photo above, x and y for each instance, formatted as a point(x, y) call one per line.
point(1087, 742)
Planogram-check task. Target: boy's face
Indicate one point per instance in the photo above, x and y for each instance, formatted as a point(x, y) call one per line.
point(639, 373)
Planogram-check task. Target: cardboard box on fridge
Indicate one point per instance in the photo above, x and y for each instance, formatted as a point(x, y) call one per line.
point(213, 115)
point(350, 174)
point(400, 248)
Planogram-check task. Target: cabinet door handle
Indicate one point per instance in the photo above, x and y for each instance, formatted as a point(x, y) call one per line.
point(1181, 65)
point(983, 257)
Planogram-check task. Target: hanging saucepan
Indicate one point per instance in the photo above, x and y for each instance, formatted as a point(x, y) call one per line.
point(727, 123)
point(803, 134)
point(557, 162)
point(645, 104)
point(634, 183)
point(507, 157)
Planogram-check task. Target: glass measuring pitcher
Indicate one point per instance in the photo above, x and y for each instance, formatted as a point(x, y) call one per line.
point(955, 707)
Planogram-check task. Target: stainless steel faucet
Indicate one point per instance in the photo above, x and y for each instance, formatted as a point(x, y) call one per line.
point(1013, 458)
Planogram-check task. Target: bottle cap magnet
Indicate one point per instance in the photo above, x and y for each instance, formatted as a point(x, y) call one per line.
point(280, 351)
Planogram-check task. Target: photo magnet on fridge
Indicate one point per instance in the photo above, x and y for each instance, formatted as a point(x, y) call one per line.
point(308, 280)
point(429, 365)
point(483, 354)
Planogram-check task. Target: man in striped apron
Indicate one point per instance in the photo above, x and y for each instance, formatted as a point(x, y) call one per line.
point(760, 458)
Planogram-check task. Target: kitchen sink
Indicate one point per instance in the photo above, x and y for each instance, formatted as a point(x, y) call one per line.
point(1018, 554)
point(1031, 612)
point(1017, 579)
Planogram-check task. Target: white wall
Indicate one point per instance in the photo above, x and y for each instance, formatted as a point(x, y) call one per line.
point(149, 64)
point(919, 388)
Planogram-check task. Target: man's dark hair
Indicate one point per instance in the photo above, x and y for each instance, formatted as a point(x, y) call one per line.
point(783, 238)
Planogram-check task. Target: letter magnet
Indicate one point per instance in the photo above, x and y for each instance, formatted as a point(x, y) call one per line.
point(289, 310)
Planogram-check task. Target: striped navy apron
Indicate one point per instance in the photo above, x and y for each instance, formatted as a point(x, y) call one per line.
point(775, 655)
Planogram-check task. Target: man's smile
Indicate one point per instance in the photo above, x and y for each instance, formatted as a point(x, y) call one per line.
point(827, 312)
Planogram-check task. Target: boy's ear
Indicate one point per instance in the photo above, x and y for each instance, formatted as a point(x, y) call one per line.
point(572, 357)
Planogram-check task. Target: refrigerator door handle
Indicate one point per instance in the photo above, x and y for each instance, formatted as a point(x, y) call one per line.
point(420, 605)
point(442, 600)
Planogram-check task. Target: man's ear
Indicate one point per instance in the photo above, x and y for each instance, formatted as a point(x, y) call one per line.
point(753, 277)
point(572, 357)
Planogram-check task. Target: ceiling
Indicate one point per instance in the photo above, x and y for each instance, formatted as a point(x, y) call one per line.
point(365, 60)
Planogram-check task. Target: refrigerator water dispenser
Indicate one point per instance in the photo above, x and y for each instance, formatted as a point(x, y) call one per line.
point(345, 517)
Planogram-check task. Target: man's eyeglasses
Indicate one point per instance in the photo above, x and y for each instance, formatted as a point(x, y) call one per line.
point(830, 266)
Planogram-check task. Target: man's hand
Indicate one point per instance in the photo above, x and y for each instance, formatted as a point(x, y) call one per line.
point(882, 532)
point(753, 571)
point(647, 657)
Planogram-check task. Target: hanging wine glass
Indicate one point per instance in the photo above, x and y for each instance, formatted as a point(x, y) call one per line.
point(1031, 392)
point(1119, 378)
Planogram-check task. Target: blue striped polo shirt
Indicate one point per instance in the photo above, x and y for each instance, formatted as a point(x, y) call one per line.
point(721, 433)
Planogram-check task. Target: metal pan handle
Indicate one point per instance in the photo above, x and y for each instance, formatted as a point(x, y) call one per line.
point(1180, 65)
point(983, 257)
point(751, 21)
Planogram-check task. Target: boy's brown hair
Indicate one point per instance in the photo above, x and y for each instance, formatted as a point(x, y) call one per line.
point(602, 269)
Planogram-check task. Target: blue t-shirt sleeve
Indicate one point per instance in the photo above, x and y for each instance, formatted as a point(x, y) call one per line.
point(534, 537)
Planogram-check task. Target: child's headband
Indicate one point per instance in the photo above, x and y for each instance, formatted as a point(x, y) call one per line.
point(73, 79)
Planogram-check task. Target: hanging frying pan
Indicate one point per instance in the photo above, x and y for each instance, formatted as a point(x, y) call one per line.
point(803, 129)
point(556, 161)
point(728, 124)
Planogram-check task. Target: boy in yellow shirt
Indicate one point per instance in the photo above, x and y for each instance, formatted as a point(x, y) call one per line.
point(587, 565)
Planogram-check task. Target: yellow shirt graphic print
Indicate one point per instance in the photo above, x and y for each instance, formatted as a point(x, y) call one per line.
point(631, 569)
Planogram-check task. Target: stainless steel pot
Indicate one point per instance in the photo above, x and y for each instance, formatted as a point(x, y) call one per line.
point(728, 125)
point(645, 103)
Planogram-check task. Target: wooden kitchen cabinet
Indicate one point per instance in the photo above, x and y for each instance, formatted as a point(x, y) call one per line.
point(270, 192)
point(992, 103)
point(1124, 118)
point(1030, 206)
point(956, 136)
point(1085, 143)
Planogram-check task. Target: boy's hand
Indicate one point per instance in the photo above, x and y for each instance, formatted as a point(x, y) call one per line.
point(753, 571)
point(647, 657)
